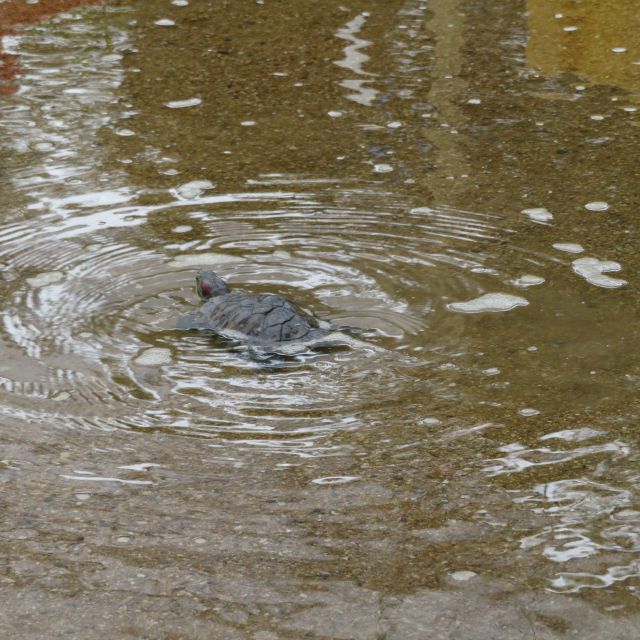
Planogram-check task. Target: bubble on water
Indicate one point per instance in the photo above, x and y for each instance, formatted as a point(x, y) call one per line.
point(202, 259)
point(596, 206)
point(569, 247)
point(538, 214)
point(431, 422)
point(180, 3)
point(280, 74)
point(630, 109)
point(165, 22)
point(527, 280)
point(123, 539)
point(528, 412)
point(619, 49)
point(83, 496)
point(396, 124)
point(125, 133)
point(153, 357)
point(593, 270)
point(580, 87)
point(248, 123)
point(597, 117)
point(559, 15)
point(474, 101)
point(200, 541)
point(181, 104)
point(462, 576)
point(570, 28)
point(532, 348)
point(335, 479)
point(489, 302)
point(334, 114)
point(193, 189)
point(43, 279)
point(182, 228)
point(61, 397)
point(43, 146)
point(382, 168)
point(491, 371)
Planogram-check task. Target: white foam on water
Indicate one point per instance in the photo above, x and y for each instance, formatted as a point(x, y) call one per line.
point(382, 168)
point(538, 214)
point(593, 270)
point(182, 228)
point(335, 479)
point(42, 279)
point(201, 259)
point(462, 576)
point(489, 302)
point(528, 411)
point(182, 104)
point(596, 206)
point(193, 189)
point(165, 22)
point(527, 280)
point(574, 435)
point(101, 479)
point(153, 357)
point(143, 466)
point(568, 247)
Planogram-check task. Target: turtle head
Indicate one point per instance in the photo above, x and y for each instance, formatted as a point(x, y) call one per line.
point(209, 285)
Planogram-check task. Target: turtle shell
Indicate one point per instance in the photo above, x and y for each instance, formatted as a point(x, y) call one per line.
point(265, 318)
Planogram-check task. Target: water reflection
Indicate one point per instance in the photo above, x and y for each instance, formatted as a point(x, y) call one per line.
point(602, 46)
point(467, 453)
point(354, 60)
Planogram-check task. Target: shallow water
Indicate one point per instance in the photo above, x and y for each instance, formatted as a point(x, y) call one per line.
point(457, 181)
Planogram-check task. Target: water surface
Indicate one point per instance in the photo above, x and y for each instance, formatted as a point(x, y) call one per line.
point(457, 181)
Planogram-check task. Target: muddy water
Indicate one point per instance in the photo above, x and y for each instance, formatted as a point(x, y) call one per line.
point(457, 180)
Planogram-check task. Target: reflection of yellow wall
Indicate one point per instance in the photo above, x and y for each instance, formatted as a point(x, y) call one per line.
point(602, 26)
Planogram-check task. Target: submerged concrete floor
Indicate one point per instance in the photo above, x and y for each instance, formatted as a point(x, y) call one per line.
point(457, 180)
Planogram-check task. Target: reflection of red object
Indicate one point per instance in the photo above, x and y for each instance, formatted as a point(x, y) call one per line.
point(16, 12)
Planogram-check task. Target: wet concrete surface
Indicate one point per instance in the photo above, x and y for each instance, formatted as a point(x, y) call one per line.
point(455, 179)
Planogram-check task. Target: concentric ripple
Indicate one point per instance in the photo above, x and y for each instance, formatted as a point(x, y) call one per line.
point(103, 300)
point(97, 269)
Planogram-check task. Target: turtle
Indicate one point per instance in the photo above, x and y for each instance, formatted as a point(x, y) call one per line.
point(260, 320)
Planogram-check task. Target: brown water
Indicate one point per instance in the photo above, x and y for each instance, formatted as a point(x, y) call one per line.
point(469, 468)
